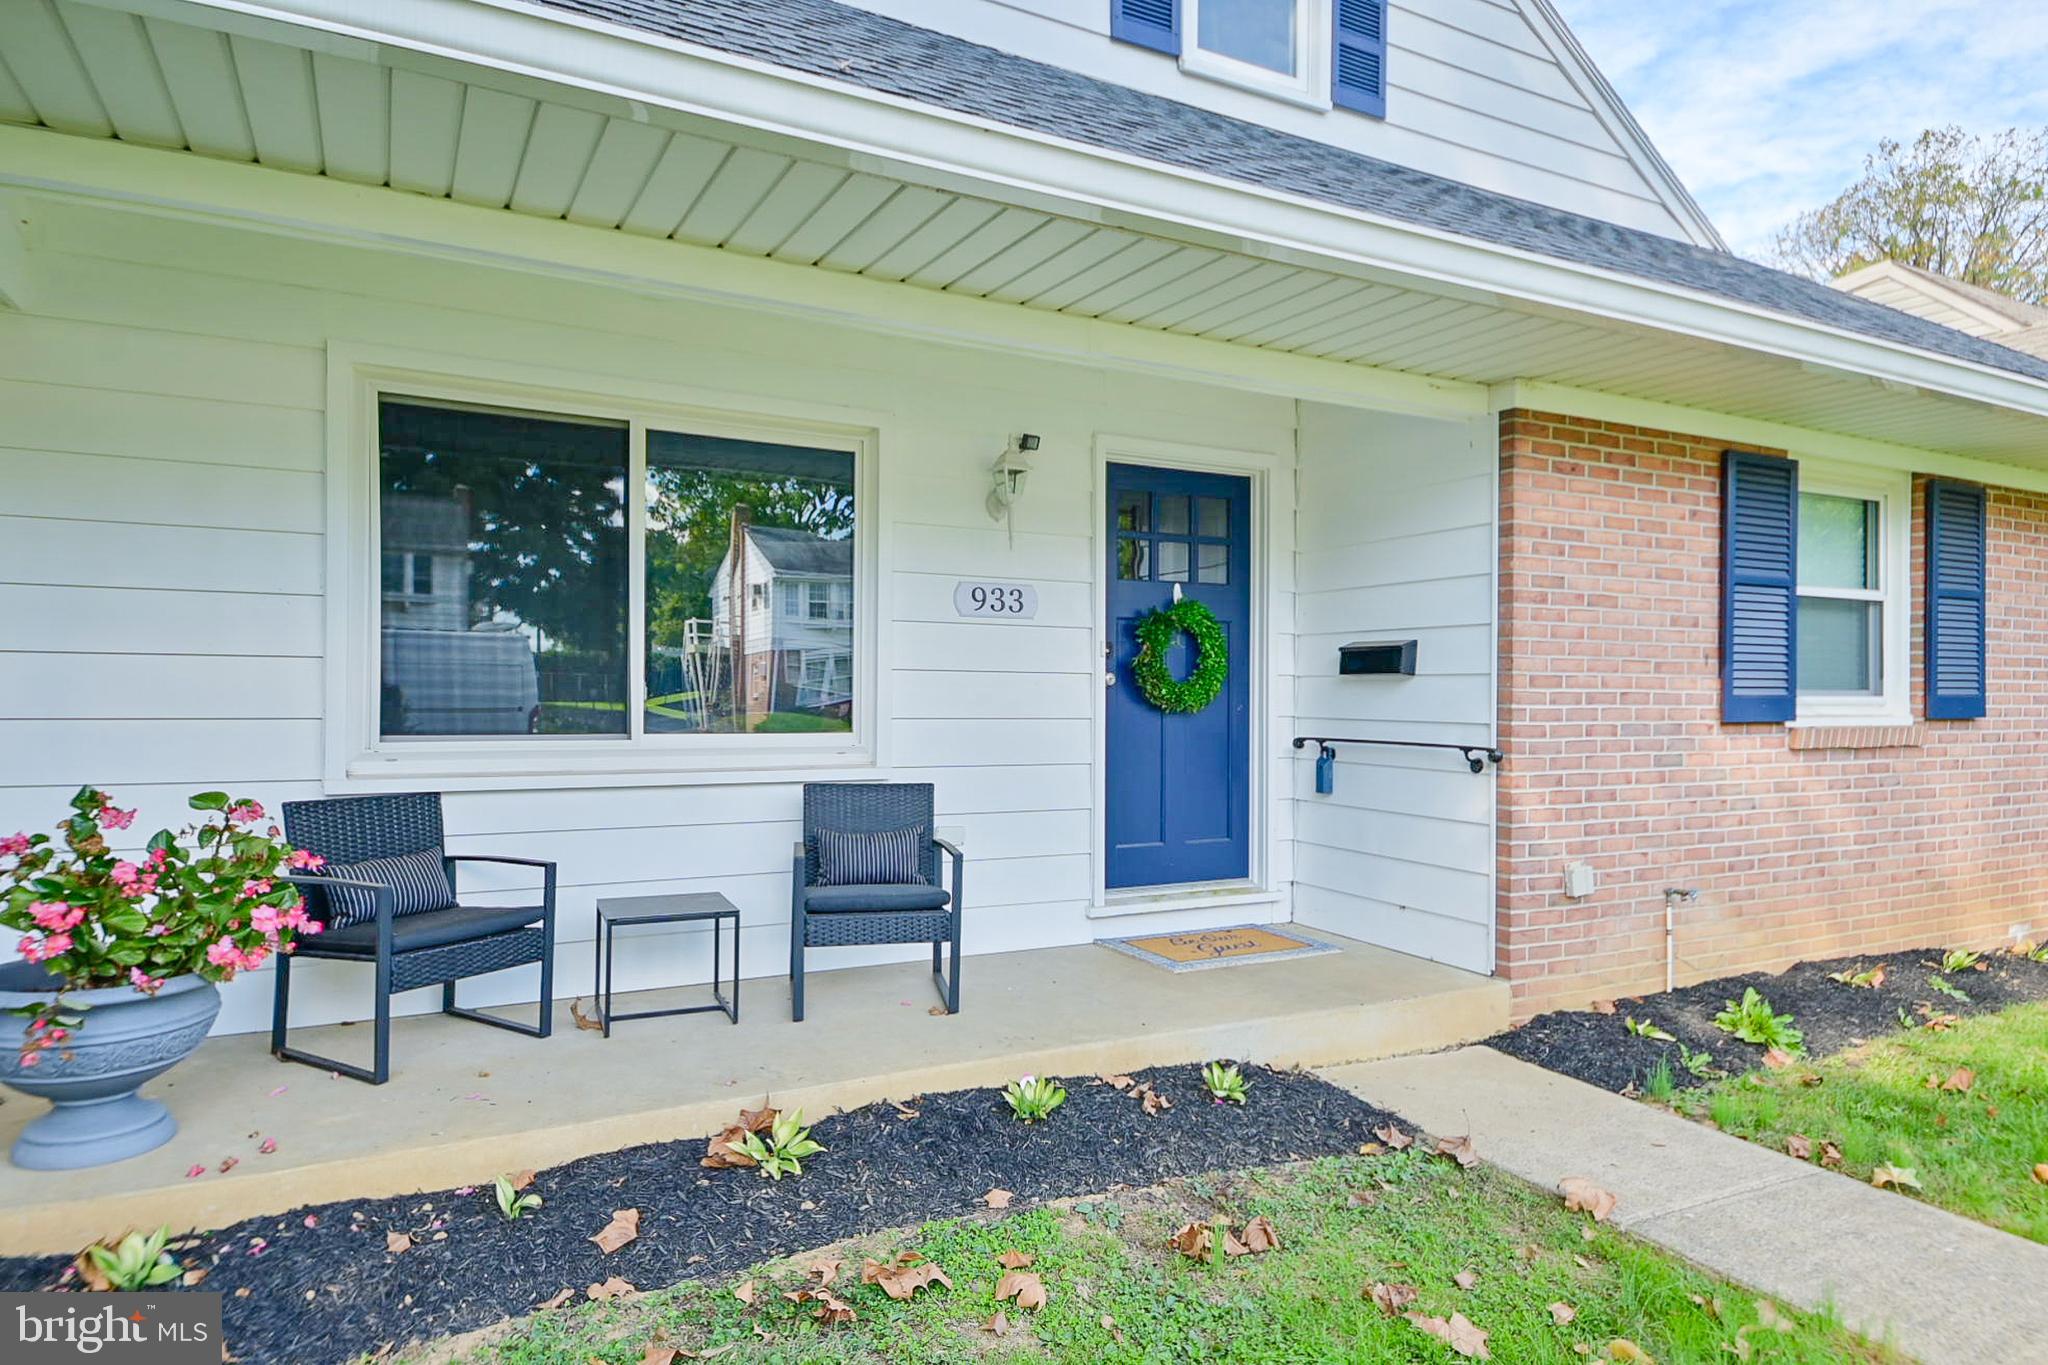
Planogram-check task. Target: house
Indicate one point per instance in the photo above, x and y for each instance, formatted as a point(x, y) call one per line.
point(1966, 307)
point(1381, 331)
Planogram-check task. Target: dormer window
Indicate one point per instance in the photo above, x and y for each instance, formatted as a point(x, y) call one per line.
point(1321, 53)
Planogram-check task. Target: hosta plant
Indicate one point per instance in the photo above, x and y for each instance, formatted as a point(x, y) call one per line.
point(1643, 1028)
point(781, 1149)
point(209, 900)
point(1225, 1083)
point(513, 1205)
point(1754, 1021)
point(137, 1261)
point(1033, 1098)
point(1959, 960)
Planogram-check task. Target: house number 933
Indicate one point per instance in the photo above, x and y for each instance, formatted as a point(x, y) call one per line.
point(1005, 601)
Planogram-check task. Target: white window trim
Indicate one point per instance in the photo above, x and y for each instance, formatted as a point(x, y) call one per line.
point(358, 757)
point(1308, 86)
point(1893, 494)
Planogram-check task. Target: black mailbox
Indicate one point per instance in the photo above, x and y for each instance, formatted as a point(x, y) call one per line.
point(1365, 657)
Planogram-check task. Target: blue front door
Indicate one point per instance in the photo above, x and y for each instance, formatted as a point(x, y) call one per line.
point(1178, 787)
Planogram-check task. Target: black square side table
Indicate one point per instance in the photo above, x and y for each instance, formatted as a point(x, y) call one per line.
point(676, 909)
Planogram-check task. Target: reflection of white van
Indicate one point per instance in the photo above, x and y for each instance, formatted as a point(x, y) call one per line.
point(460, 682)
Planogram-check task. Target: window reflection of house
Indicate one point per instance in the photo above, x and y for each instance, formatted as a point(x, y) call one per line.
point(799, 620)
point(442, 673)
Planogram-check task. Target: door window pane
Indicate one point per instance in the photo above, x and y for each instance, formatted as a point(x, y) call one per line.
point(1173, 561)
point(1132, 512)
point(1260, 32)
point(1212, 517)
point(1173, 514)
point(1838, 645)
point(1837, 541)
point(1133, 559)
point(503, 609)
point(1212, 563)
point(727, 520)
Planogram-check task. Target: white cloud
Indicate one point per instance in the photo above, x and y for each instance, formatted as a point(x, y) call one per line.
point(1766, 108)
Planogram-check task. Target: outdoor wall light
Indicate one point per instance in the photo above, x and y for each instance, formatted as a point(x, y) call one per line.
point(1011, 472)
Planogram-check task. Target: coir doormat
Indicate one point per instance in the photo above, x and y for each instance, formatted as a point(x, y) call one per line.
point(1232, 946)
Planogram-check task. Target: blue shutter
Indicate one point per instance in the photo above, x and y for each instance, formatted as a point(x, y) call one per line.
point(1148, 23)
point(1955, 601)
point(1759, 586)
point(1359, 54)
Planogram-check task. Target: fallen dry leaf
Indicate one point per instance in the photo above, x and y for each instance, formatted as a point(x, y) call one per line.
point(624, 1227)
point(1898, 1177)
point(1370, 1149)
point(1777, 1059)
point(1023, 1286)
point(904, 1276)
point(1117, 1082)
point(1465, 1279)
point(744, 1292)
point(1583, 1196)
point(998, 1199)
point(997, 1325)
point(1259, 1236)
point(1623, 1350)
point(519, 1180)
point(1602, 1007)
point(759, 1120)
point(1016, 1260)
point(725, 1151)
point(1458, 1149)
point(1769, 1319)
point(1395, 1139)
point(192, 1277)
point(557, 1301)
point(1960, 1080)
point(1799, 1147)
point(905, 1112)
point(2041, 1173)
point(659, 1355)
point(89, 1270)
point(1562, 1313)
point(938, 1011)
point(1392, 1298)
point(1830, 1154)
point(826, 1271)
point(612, 1288)
point(1362, 1199)
point(828, 1307)
point(397, 1242)
point(1457, 1332)
point(1152, 1100)
point(583, 1020)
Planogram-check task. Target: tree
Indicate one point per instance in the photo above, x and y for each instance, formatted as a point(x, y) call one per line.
point(1972, 208)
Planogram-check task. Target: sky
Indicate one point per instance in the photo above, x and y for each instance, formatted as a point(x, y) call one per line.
point(1766, 108)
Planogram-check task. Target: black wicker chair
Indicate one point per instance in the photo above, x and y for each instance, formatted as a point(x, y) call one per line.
point(432, 947)
point(836, 916)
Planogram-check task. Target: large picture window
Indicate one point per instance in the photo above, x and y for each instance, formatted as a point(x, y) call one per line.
point(555, 575)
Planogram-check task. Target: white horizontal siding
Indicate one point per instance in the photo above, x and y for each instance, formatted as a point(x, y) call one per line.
point(162, 567)
point(1474, 92)
point(1396, 541)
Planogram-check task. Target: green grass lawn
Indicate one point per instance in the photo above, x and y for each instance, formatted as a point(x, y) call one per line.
point(1117, 1292)
point(1974, 1150)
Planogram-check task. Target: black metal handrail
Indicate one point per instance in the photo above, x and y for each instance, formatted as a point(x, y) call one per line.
point(1477, 756)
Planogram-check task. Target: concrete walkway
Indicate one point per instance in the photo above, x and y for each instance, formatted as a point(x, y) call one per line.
point(1939, 1287)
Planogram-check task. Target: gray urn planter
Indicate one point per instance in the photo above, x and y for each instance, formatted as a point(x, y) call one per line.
point(127, 1040)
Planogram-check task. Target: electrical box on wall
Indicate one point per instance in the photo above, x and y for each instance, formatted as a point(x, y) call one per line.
point(1363, 658)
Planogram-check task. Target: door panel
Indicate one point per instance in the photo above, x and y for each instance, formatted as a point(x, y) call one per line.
point(1178, 786)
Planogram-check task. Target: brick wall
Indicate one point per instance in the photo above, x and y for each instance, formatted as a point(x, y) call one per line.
point(1802, 843)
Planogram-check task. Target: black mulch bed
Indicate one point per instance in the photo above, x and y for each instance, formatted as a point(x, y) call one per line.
point(1598, 1049)
point(469, 1268)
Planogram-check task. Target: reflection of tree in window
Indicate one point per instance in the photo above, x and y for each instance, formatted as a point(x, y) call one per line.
point(524, 626)
point(728, 520)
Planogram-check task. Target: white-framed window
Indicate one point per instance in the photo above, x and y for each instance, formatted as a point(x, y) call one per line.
point(590, 557)
point(1853, 592)
point(1275, 47)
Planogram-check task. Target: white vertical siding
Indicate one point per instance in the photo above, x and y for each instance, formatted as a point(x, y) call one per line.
point(1395, 540)
point(162, 447)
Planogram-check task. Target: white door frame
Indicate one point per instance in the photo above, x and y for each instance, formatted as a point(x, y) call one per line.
point(1270, 473)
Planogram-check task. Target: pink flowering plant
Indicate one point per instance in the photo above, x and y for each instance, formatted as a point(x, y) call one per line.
point(209, 900)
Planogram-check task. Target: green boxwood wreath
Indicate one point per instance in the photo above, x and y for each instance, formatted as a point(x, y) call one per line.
point(1212, 657)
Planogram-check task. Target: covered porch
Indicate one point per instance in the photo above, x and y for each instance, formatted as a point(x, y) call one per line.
point(466, 1103)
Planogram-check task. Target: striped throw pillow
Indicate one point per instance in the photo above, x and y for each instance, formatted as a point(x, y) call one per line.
point(418, 881)
point(884, 857)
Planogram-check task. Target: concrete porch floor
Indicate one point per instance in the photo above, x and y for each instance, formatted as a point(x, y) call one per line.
point(465, 1101)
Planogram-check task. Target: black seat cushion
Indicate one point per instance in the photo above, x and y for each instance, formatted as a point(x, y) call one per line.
point(425, 929)
point(875, 896)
